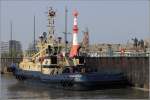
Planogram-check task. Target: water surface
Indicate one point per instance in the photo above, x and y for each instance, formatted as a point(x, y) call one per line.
point(12, 89)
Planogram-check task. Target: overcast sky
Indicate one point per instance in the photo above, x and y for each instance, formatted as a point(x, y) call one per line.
point(108, 21)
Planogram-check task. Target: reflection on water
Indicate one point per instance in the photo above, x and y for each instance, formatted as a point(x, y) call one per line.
point(12, 89)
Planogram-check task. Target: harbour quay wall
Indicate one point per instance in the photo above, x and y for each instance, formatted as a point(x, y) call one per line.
point(135, 68)
point(6, 62)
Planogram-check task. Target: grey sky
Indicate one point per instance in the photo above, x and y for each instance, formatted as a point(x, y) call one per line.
point(108, 21)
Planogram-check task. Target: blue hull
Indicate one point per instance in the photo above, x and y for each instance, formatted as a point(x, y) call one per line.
point(75, 81)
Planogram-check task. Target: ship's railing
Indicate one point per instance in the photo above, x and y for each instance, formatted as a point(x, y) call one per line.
point(115, 54)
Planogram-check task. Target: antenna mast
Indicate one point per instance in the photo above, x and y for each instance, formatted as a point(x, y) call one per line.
point(34, 33)
point(66, 11)
point(11, 42)
point(10, 30)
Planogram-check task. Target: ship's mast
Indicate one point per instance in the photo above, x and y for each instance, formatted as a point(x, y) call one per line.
point(47, 39)
point(66, 29)
point(51, 26)
point(34, 34)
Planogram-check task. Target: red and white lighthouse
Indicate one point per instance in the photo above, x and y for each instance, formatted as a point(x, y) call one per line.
point(75, 44)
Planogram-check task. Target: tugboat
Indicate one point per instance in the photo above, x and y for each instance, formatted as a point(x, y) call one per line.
point(54, 67)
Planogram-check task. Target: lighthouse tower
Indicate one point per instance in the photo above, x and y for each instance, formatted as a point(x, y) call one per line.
point(75, 45)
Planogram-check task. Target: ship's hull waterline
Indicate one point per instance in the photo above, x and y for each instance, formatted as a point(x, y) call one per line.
point(74, 81)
